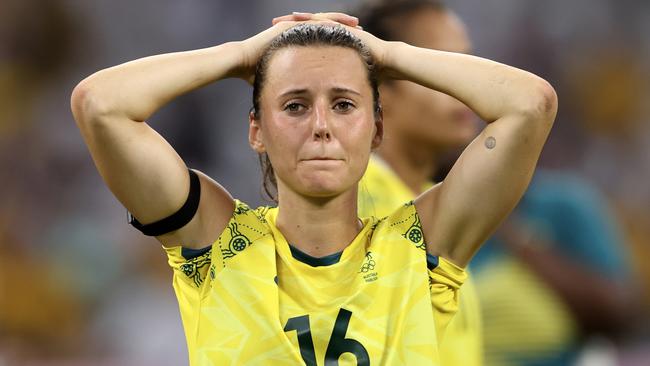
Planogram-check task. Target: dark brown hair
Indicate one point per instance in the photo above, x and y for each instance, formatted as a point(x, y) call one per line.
point(305, 35)
point(383, 17)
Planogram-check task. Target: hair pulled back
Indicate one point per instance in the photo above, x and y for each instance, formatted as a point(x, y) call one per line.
point(308, 35)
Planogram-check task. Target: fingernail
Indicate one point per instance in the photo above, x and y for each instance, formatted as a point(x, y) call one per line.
point(299, 13)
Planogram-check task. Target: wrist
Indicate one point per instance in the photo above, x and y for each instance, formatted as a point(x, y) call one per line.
point(389, 59)
point(238, 63)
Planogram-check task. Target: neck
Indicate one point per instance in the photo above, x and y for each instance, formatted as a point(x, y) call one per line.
point(318, 226)
point(414, 164)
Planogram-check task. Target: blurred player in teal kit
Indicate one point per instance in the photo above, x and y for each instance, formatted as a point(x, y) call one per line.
point(553, 274)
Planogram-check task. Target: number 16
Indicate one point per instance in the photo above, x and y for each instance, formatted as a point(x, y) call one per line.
point(337, 345)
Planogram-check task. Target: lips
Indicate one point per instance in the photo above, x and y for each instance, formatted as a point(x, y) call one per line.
point(319, 158)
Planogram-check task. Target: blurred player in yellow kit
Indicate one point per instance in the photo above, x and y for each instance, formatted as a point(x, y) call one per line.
point(309, 282)
point(420, 125)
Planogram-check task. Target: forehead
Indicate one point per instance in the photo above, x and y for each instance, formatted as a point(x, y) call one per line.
point(310, 67)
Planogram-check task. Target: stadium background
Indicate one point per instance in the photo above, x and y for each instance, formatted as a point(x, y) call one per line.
point(80, 286)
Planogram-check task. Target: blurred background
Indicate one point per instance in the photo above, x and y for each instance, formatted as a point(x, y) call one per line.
point(78, 286)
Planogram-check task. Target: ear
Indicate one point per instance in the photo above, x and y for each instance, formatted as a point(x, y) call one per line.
point(379, 129)
point(255, 134)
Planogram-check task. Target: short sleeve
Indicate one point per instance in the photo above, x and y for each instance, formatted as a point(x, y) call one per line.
point(191, 272)
point(191, 267)
point(445, 279)
point(194, 270)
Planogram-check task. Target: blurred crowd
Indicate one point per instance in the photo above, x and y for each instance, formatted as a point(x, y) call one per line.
point(80, 286)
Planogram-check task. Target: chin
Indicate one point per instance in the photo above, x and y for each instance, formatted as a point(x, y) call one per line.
point(321, 182)
point(322, 190)
point(323, 186)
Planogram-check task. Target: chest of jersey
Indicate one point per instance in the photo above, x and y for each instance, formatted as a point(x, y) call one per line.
point(250, 301)
point(371, 307)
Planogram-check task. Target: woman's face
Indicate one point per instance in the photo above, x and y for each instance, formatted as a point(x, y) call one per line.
point(316, 122)
point(421, 116)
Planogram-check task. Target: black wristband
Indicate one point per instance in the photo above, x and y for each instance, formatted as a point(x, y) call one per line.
point(178, 219)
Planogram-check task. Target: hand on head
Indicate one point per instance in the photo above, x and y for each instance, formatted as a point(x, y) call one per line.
point(254, 47)
point(377, 46)
point(340, 18)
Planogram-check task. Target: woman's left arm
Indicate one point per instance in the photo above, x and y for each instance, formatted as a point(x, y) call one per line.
point(493, 172)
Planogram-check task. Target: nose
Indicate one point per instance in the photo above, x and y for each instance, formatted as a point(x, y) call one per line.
point(321, 126)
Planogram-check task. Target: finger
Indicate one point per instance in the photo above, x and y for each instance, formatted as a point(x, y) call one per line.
point(295, 17)
point(342, 18)
point(284, 18)
point(324, 22)
point(302, 15)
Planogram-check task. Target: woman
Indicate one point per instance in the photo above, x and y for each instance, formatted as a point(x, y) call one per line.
point(247, 279)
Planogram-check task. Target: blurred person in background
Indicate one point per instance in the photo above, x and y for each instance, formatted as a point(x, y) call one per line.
point(558, 272)
point(583, 216)
point(542, 296)
point(607, 89)
point(420, 125)
point(554, 274)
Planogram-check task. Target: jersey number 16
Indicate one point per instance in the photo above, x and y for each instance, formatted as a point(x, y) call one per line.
point(337, 345)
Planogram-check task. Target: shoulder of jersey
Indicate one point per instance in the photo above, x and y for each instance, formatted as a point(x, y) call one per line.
point(404, 222)
point(244, 228)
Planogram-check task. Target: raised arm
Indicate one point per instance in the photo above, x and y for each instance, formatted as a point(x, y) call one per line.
point(138, 165)
point(493, 172)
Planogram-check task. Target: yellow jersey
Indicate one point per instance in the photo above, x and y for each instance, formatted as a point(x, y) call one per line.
point(380, 192)
point(253, 299)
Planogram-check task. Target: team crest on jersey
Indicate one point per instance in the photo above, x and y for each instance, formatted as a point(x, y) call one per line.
point(414, 234)
point(192, 267)
point(237, 243)
point(367, 269)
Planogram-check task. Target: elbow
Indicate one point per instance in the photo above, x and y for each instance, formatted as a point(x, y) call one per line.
point(542, 103)
point(87, 105)
point(547, 105)
point(83, 103)
point(79, 101)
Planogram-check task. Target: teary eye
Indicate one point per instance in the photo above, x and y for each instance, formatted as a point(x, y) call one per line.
point(293, 107)
point(343, 106)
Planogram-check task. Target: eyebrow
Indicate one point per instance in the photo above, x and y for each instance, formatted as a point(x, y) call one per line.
point(346, 90)
point(305, 91)
point(293, 92)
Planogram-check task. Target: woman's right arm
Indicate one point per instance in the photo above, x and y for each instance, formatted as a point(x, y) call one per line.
point(143, 171)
